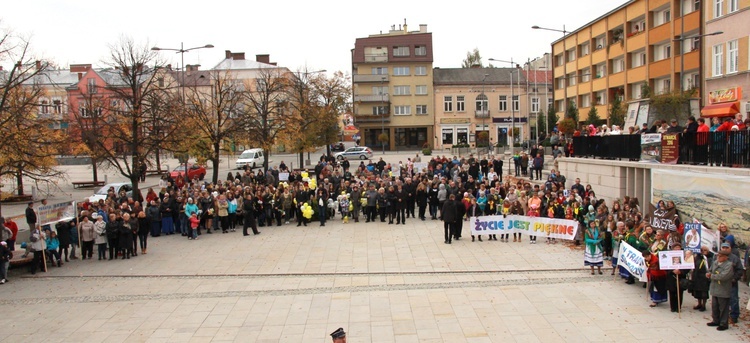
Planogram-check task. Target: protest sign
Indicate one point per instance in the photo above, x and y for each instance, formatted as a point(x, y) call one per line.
point(632, 260)
point(651, 147)
point(676, 259)
point(709, 238)
point(692, 237)
point(420, 167)
point(283, 176)
point(533, 226)
point(662, 219)
point(49, 214)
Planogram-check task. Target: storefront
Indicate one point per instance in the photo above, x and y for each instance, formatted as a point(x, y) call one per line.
point(505, 133)
point(410, 137)
point(723, 103)
point(454, 131)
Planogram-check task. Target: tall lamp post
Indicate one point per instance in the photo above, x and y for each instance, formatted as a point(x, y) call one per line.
point(485, 112)
point(382, 114)
point(182, 52)
point(512, 107)
point(565, 62)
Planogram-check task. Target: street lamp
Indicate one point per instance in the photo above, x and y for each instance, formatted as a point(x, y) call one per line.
point(485, 112)
point(512, 107)
point(682, 51)
point(565, 62)
point(382, 114)
point(182, 52)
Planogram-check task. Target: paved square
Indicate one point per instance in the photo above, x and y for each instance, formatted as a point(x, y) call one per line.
point(382, 283)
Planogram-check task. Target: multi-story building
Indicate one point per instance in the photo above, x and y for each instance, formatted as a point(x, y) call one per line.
point(53, 102)
point(726, 67)
point(619, 53)
point(392, 86)
point(469, 101)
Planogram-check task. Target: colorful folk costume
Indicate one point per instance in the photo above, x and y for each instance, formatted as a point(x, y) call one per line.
point(657, 279)
point(593, 256)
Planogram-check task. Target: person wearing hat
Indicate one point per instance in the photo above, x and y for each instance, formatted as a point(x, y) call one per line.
point(721, 275)
point(737, 271)
point(339, 336)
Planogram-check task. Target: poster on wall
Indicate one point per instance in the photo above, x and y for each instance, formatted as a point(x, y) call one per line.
point(651, 147)
point(642, 115)
point(670, 148)
point(708, 198)
point(631, 118)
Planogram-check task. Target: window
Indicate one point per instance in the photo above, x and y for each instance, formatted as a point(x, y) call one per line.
point(380, 71)
point(662, 17)
point(420, 50)
point(600, 98)
point(585, 100)
point(460, 103)
point(689, 44)
point(421, 90)
point(584, 49)
point(689, 6)
point(571, 79)
point(734, 6)
point(421, 109)
point(600, 42)
point(481, 103)
point(420, 71)
point(571, 55)
point(402, 110)
point(637, 59)
point(560, 105)
point(662, 51)
point(718, 8)
point(503, 103)
point(447, 136)
point(718, 60)
point(666, 85)
point(44, 106)
point(732, 57)
point(400, 51)
point(401, 90)
point(379, 110)
point(690, 81)
point(91, 86)
point(401, 71)
point(516, 103)
point(618, 65)
point(585, 75)
point(637, 90)
point(448, 103)
point(560, 82)
point(377, 90)
point(535, 105)
point(559, 60)
point(601, 70)
point(57, 106)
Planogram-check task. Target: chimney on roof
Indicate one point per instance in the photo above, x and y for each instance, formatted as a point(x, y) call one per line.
point(80, 76)
point(264, 58)
point(169, 67)
point(79, 68)
point(192, 67)
point(227, 54)
point(238, 56)
point(38, 65)
point(423, 28)
point(405, 31)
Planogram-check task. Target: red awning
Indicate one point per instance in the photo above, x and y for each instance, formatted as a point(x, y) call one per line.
point(726, 109)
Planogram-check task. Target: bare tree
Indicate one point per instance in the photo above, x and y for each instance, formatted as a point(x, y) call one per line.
point(216, 112)
point(267, 119)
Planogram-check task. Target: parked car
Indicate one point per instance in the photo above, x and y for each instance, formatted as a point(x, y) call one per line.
point(101, 194)
point(338, 146)
point(252, 158)
point(357, 152)
point(194, 170)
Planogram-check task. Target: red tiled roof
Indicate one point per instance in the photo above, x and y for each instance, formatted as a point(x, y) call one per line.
point(538, 75)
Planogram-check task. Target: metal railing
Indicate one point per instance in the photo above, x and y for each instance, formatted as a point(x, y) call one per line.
point(726, 148)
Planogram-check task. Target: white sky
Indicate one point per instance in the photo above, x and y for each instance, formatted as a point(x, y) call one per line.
point(316, 34)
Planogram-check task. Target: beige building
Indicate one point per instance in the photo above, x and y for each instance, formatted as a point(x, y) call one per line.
point(392, 86)
point(726, 67)
point(499, 101)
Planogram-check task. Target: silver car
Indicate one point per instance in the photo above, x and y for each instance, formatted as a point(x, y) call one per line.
point(357, 152)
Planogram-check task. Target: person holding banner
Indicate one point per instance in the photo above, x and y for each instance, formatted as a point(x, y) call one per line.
point(657, 279)
point(676, 283)
point(593, 256)
point(698, 277)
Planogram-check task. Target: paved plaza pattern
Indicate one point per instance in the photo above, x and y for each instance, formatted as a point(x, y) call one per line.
point(382, 283)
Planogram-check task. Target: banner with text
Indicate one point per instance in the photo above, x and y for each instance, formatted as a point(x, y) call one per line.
point(692, 237)
point(49, 214)
point(676, 259)
point(662, 219)
point(632, 260)
point(533, 226)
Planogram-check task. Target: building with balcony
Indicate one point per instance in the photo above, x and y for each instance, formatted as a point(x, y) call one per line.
point(726, 64)
point(392, 88)
point(471, 101)
point(626, 49)
point(53, 102)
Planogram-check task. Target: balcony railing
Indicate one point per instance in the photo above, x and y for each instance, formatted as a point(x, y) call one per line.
point(370, 78)
point(371, 98)
point(482, 113)
point(376, 58)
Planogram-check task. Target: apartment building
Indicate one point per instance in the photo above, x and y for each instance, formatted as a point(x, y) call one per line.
point(726, 64)
point(619, 53)
point(469, 101)
point(53, 102)
point(392, 88)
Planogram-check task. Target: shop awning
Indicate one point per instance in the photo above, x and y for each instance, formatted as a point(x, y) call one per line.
point(726, 109)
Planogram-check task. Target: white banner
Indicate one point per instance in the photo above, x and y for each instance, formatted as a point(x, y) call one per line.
point(420, 167)
point(632, 260)
point(676, 259)
point(49, 214)
point(533, 226)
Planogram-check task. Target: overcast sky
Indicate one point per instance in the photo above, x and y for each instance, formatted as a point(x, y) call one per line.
point(297, 34)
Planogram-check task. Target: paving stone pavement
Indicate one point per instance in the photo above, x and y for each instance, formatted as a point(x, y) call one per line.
point(382, 283)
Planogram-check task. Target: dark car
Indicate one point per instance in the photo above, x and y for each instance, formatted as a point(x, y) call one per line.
point(338, 146)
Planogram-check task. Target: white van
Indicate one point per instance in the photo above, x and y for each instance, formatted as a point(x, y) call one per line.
point(252, 158)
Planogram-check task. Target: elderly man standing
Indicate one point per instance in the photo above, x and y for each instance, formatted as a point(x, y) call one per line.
point(721, 275)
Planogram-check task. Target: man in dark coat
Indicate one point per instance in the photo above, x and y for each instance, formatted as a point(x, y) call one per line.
point(63, 236)
point(449, 215)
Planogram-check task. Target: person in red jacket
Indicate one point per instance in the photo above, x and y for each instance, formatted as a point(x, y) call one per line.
point(657, 279)
point(13, 227)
